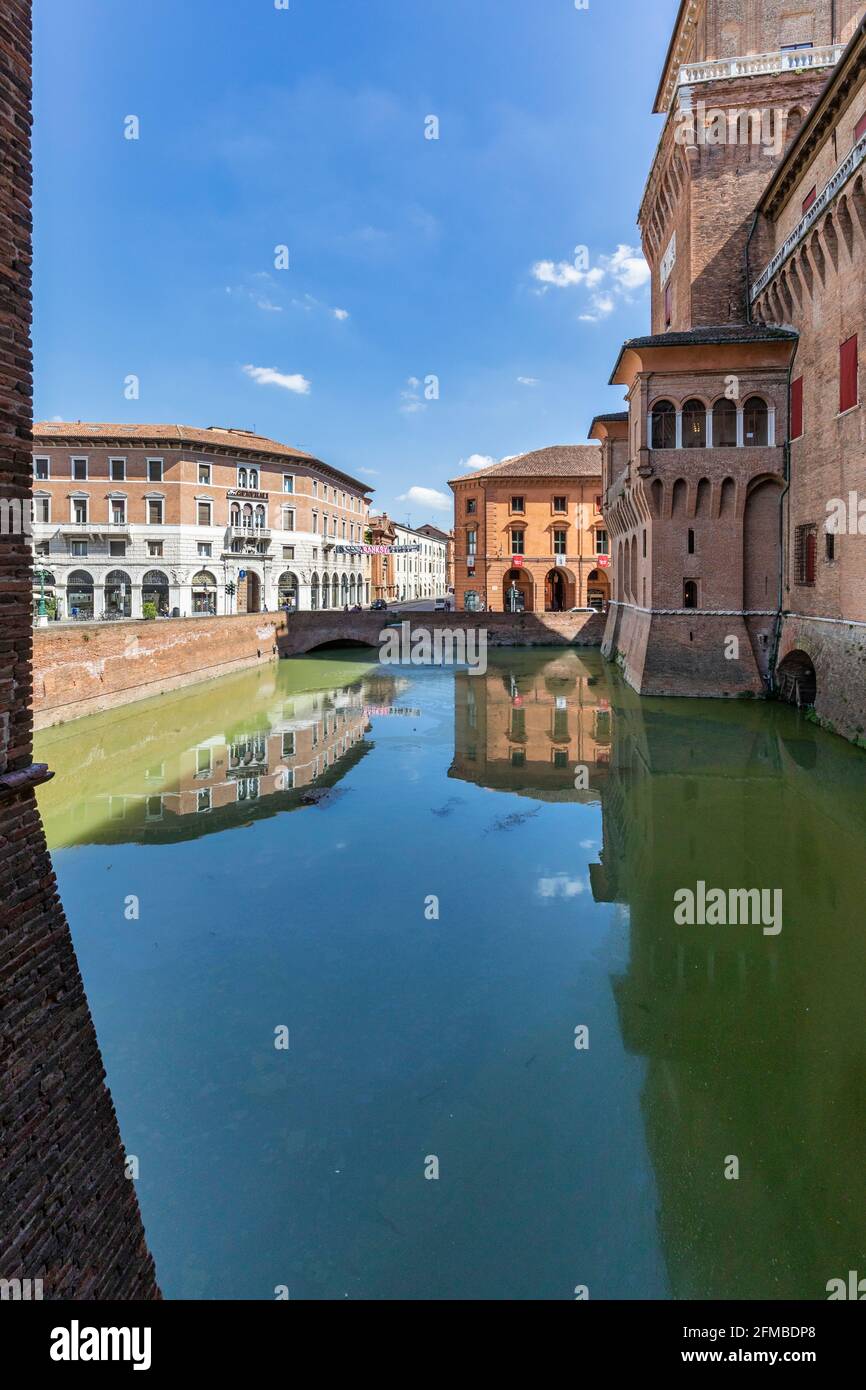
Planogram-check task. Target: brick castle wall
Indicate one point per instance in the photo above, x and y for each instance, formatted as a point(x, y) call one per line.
point(68, 1215)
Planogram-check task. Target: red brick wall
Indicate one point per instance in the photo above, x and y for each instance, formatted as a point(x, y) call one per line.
point(821, 291)
point(68, 1215)
point(84, 668)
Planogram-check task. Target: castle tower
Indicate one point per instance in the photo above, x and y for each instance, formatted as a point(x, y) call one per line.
point(694, 480)
point(737, 83)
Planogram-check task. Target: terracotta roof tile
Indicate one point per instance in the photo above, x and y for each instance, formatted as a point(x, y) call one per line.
point(238, 441)
point(557, 461)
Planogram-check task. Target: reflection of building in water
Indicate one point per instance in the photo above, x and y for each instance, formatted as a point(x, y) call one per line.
point(529, 729)
point(310, 735)
point(754, 1043)
point(187, 781)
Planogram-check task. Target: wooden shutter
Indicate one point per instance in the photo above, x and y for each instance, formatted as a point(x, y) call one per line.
point(848, 394)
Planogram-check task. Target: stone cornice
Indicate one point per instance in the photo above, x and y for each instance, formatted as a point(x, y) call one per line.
point(678, 51)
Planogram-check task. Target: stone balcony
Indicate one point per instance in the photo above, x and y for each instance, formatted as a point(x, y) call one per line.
point(114, 530)
point(247, 533)
point(842, 175)
point(758, 64)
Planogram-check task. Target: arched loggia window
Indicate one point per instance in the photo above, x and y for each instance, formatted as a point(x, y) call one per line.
point(724, 424)
point(755, 422)
point(694, 425)
point(664, 425)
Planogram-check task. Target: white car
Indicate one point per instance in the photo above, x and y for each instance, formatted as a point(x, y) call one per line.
point(440, 605)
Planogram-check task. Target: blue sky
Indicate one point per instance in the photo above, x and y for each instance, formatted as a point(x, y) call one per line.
point(409, 258)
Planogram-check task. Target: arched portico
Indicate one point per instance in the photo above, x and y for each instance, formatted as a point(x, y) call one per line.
point(517, 592)
point(559, 590)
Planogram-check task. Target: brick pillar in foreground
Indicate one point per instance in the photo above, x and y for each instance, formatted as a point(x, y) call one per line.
point(68, 1216)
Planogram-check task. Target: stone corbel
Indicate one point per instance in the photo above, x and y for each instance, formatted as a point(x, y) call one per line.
point(24, 779)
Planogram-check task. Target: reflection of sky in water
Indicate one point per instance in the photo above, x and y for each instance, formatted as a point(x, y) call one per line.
point(455, 1036)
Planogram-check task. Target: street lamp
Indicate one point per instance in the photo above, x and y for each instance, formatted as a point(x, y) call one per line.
point(42, 610)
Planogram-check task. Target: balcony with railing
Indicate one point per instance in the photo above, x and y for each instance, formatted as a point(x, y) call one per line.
point(111, 529)
point(759, 64)
point(248, 533)
point(841, 176)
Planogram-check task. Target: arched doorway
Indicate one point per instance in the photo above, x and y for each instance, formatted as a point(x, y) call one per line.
point(204, 593)
point(796, 681)
point(597, 590)
point(118, 594)
point(79, 595)
point(558, 590)
point(250, 593)
point(154, 590)
point(287, 591)
point(517, 592)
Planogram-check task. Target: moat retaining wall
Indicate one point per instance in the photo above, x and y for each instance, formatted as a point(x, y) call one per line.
point(82, 669)
point(838, 653)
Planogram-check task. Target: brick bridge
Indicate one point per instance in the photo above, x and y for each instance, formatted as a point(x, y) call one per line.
point(304, 632)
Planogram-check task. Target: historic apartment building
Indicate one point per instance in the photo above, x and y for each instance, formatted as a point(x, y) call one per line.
point(734, 568)
point(529, 536)
point(407, 563)
point(141, 520)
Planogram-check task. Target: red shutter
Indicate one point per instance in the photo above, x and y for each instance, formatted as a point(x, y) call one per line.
point(860, 128)
point(809, 199)
point(848, 395)
point(811, 556)
point(797, 408)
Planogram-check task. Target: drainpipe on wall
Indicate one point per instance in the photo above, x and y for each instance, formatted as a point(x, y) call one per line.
point(784, 515)
point(748, 269)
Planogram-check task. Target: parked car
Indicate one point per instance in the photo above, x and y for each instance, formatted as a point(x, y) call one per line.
point(441, 605)
point(378, 605)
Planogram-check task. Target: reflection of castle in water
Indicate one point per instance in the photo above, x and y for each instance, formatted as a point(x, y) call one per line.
point(528, 729)
point(754, 1045)
point(185, 781)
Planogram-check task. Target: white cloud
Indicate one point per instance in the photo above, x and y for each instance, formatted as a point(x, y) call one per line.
point(561, 273)
point(478, 461)
point(628, 268)
point(368, 472)
point(528, 381)
point(268, 306)
point(412, 402)
point(602, 306)
point(615, 277)
point(559, 886)
point(341, 314)
point(428, 499)
point(269, 376)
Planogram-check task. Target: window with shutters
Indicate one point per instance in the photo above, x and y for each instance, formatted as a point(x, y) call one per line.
point(805, 553)
point(848, 393)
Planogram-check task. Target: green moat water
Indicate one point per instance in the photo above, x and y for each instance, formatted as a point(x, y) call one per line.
point(282, 831)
